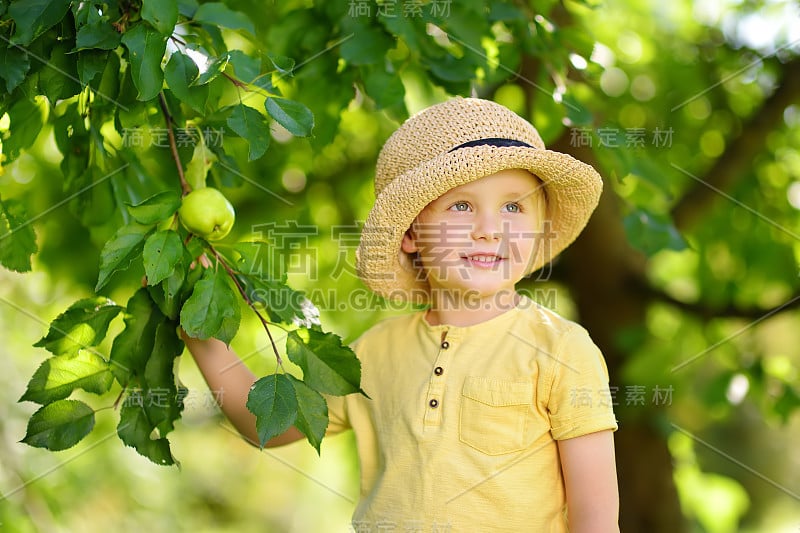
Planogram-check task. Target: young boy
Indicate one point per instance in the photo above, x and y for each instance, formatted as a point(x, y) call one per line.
point(477, 418)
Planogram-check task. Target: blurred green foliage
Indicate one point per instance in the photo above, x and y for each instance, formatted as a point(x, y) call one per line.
point(691, 111)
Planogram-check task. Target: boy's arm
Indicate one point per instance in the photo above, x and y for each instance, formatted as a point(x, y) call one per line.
point(590, 477)
point(230, 380)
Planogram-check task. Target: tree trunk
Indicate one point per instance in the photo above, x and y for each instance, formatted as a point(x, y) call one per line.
point(599, 268)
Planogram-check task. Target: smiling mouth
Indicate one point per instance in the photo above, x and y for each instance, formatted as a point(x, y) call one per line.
point(483, 260)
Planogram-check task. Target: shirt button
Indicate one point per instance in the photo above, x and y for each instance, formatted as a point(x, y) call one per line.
point(445, 345)
point(438, 371)
point(434, 403)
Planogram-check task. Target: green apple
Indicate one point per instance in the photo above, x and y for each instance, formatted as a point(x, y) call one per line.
point(207, 213)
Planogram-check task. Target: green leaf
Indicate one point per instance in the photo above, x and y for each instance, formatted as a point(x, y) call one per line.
point(328, 366)
point(214, 68)
point(168, 295)
point(312, 412)
point(252, 126)
point(251, 258)
point(280, 400)
point(187, 7)
point(651, 233)
point(134, 115)
point(282, 303)
point(385, 88)
point(163, 404)
point(181, 70)
point(180, 73)
point(135, 430)
point(272, 400)
point(91, 193)
point(787, 403)
point(59, 80)
point(368, 45)
point(17, 238)
point(449, 69)
point(107, 86)
point(27, 119)
point(284, 65)
point(59, 425)
point(120, 250)
point(91, 63)
point(227, 172)
point(14, 65)
point(246, 68)
point(84, 323)
point(34, 17)
point(265, 82)
point(502, 11)
point(292, 115)
point(162, 252)
point(218, 14)
point(58, 376)
point(146, 47)
point(97, 34)
point(155, 208)
point(133, 346)
point(159, 371)
point(213, 308)
point(212, 42)
point(162, 14)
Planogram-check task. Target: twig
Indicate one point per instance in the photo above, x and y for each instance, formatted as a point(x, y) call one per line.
point(237, 82)
point(264, 321)
point(121, 393)
point(185, 187)
point(177, 40)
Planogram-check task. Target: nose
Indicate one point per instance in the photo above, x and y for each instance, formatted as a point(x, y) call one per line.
point(487, 226)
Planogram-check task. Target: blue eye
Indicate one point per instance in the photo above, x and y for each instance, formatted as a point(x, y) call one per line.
point(459, 206)
point(512, 207)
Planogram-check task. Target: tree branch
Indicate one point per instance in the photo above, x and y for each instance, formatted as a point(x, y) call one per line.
point(250, 303)
point(185, 187)
point(739, 154)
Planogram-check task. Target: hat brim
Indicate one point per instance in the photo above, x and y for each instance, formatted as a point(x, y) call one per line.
point(572, 191)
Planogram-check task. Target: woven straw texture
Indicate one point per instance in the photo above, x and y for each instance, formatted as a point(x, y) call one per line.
point(415, 167)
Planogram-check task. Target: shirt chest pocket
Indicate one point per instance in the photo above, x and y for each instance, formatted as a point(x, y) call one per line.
point(494, 414)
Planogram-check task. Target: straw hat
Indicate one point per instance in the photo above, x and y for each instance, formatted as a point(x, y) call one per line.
point(450, 144)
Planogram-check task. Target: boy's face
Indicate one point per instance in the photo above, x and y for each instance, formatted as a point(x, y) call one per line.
point(480, 238)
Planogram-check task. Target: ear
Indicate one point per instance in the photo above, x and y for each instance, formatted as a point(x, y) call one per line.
point(409, 243)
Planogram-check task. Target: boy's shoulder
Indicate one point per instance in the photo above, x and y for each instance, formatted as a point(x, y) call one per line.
point(536, 313)
point(537, 318)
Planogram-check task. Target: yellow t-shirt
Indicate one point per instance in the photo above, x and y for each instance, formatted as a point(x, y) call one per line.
point(460, 430)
